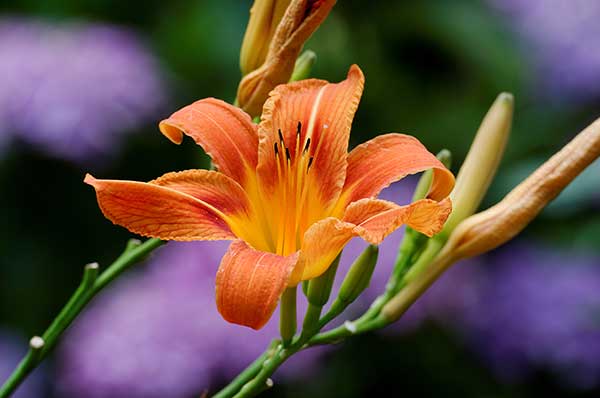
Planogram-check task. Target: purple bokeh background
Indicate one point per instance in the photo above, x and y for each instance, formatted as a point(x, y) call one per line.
point(74, 90)
point(561, 39)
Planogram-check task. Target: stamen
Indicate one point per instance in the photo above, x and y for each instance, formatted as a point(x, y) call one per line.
point(299, 128)
point(307, 145)
point(287, 154)
point(310, 162)
point(281, 137)
point(276, 149)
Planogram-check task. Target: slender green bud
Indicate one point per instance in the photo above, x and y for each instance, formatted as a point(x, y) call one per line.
point(319, 289)
point(303, 66)
point(359, 276)
point(305, 287)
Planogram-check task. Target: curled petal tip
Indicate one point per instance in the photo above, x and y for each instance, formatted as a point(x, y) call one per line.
point(172, 132)
point(356, 71)
point(89, 179)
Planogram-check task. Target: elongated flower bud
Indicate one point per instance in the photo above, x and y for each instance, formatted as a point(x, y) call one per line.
point(265, 16)
point(474, 176)
point(317, 294)
point(319, 289)
point(500, 223)
point(482, 161)
point(359, 276)
point(301, 19)
point(497, 225)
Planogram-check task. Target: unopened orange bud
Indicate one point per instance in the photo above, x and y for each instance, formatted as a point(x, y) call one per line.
point(300, 20)
point(489, 229)
point(265, 16)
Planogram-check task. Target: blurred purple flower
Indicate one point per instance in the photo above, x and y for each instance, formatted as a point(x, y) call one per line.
point(12, 349)
point(539, 307)
point(522, 308)
point(73, 90)
point(563, 38)
point(161, 333)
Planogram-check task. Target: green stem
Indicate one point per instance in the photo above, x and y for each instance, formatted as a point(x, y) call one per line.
point(311, 320)
point(287, 319)
point(348, 329)
point(90, 285)
point(248, 374)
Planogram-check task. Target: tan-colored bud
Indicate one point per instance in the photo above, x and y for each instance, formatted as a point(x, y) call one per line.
point(491, 228)
point(475, 175)
point(481, 163)
point(301, 19)
point(265, 16)
point(487, 230)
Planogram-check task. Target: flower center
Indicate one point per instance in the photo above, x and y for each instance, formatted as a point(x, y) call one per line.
point(292, 194)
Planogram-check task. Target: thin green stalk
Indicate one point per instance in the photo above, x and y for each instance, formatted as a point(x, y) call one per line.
point(311, 320)
point(90, 285)
point(346, 330)
point(247, 374)
point(287, 319)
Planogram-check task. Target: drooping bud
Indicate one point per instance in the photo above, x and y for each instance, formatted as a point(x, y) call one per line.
point(489, 229)
point(265, 16)
point(481, 163)
point(300, 20)
point(359, 276)
point(500, 223)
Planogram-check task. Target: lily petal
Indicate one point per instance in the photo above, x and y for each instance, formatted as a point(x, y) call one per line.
point(372, 220)
point(190, 205)
point(226, 133)
point(324, 113)
point(250, 282)
point(377, 163)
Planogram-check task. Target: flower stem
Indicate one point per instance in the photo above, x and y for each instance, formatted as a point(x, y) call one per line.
point(90, 285)
point(287, 319)
point(247, 374)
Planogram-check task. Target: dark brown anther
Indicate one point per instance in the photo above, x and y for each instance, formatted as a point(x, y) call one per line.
point(287, 154)
point(307, 145)
point(299, 130)
point(281, 137)
point(310, 162)
point(276, 149)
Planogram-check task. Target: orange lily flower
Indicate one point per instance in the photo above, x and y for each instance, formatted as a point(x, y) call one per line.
point(286, 192)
